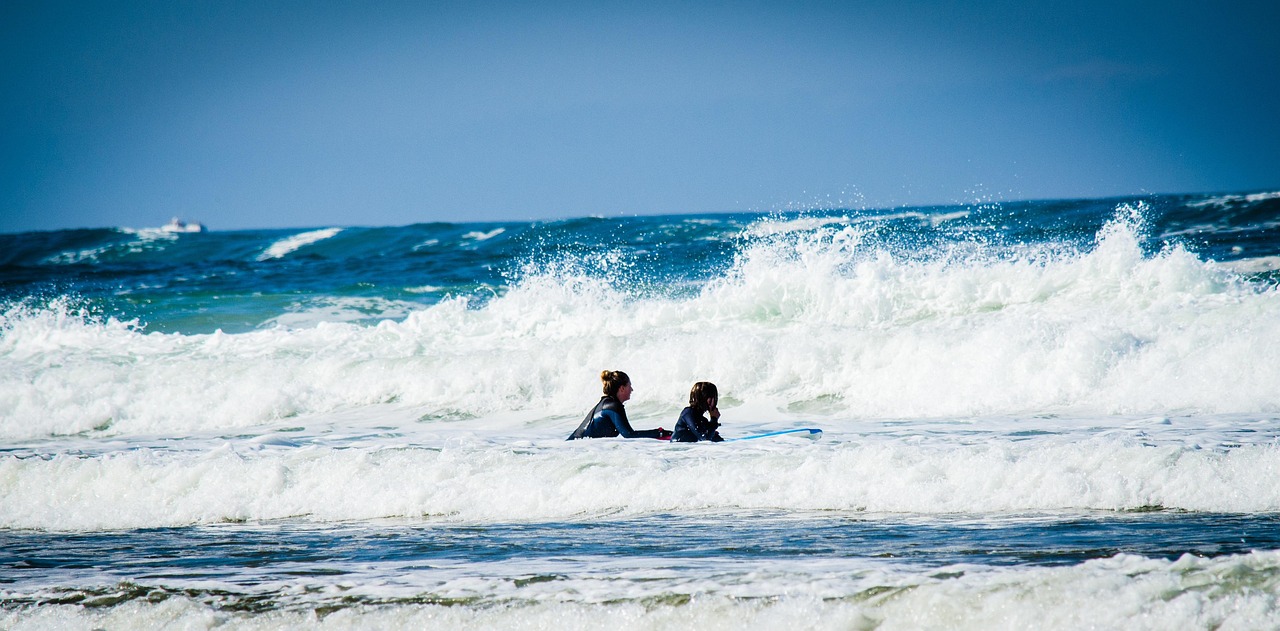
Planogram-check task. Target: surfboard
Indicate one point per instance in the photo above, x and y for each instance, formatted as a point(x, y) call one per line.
point(807, 432)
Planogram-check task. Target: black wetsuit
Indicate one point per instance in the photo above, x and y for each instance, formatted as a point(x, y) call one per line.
point(608, 419)
point(693, 427)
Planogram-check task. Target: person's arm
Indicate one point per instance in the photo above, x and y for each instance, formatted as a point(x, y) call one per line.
point(705, 430)
point(712, 434)
point(626, 431)
point(715, 434)
point(619, 423)
point(702, 428)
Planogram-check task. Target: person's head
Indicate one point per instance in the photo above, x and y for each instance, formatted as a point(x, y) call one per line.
point(616, 384)
point(703, 396)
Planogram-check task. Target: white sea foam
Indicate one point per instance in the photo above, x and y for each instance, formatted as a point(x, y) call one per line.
point(769, 228)
point(291, 244)
point(810, 322)
point(1122, 592)
point(484, 236)
point(933, 219)
point(316, 311)
point(473, 477)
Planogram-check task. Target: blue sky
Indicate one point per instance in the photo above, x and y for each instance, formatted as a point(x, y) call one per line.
point(275, 114)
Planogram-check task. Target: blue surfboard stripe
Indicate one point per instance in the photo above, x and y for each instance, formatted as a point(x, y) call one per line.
point(811, 432)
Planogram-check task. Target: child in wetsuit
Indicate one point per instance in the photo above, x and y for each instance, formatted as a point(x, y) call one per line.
point(693, 425)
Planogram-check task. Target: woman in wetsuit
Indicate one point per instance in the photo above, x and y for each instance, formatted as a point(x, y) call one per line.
point(608, 418)
point(693, 426)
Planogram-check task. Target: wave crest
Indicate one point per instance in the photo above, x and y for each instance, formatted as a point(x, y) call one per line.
point(827, 313)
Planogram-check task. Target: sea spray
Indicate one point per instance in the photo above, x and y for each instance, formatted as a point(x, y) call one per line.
point(1044, 413)
point(805, 319)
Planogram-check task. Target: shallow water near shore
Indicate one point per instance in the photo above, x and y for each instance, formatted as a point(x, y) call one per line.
point(758, 559)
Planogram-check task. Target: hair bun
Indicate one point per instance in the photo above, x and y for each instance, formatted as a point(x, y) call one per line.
point(612, 380)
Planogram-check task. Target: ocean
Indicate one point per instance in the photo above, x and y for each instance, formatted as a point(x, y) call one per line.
point(1039, 414)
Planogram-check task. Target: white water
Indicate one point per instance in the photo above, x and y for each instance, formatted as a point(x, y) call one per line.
point(804, 323)
point(1053, 380)
point(1049, 381)
point(1123, 592)
point(288, 245)
point(348, 470)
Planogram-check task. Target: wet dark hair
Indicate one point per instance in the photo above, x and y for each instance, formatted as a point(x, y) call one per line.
point(699, 394)
point(612, 380)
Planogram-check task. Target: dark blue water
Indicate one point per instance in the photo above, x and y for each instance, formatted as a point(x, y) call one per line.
point(197, 283)
point(227, 565)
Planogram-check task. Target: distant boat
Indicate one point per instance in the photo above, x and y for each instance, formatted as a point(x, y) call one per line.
point(178, 225)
